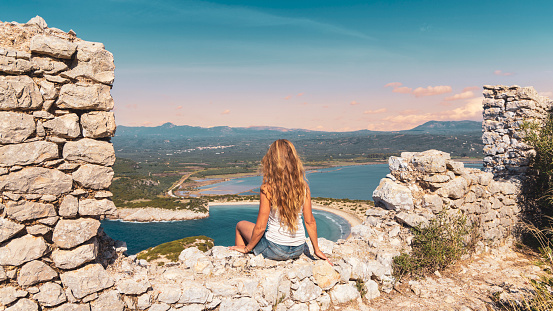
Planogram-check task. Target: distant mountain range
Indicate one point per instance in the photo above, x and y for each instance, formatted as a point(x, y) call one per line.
point(223, 144)
point(171, 130)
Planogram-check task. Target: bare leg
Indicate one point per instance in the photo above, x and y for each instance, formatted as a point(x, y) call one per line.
point(244, 230)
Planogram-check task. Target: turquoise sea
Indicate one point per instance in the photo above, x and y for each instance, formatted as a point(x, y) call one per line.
point(352, 182)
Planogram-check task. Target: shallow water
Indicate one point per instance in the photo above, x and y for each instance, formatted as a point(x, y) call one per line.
point(218, 226)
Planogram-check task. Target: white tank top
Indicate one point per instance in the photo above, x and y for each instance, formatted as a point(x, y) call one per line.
point(281, 235)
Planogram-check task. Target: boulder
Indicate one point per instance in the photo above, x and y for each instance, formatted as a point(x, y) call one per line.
point(35, 272)
point(28, 153)
point(93, 207)
point(15, 127)
point(392, 196)
point(70, 259)
point(8, 229)
point(343, 293)
point(93, 176)
point(98, 124)
point(108, 301)
point(53, 46)
point(21, 250)
point(28, 210)
point(37, 180)
point(90, 150)
point(19, 92)
point(87, 280)
point(66, 126)
point(85, 97)
point(69, 233)
point(50, 294)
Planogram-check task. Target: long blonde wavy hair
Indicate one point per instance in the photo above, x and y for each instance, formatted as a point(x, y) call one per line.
point(284, 181)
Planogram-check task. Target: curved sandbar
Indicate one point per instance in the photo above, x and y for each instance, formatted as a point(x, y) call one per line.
point(151, 214)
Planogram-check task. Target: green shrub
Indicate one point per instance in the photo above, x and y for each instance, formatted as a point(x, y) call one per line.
point(435, 246)
point(171, 250)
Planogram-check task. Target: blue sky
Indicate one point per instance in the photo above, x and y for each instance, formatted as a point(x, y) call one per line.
point(326, 65)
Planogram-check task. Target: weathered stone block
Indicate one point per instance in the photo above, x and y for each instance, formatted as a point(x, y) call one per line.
point(90, 150)
point(70, 259)
point(87, 280)
point(343, 293)
point(28, 153)
point(242, 304)
point(98, 124)
point(108, 301)
point(324, 274)
point(50, 294)
point(455, 189)
point(193, 292)
point(72, 232)
point(28, 210)
point(69, 207)
point(35, 272)
point(19, 92)
point(66, 126)
point(23, 305)
point(47, 65)
point(53, 46)
point(37, 180)
point(93, 207)
point(93, 176)
point(12, 65)
point(21, 250)
point(8, 229)
point(93, 62)
point(393, 196)
point(96, 96)
point(15, 127)
point(430, 161)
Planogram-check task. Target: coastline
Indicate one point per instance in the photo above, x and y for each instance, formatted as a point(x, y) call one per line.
point(350, 218)
point(150, 214)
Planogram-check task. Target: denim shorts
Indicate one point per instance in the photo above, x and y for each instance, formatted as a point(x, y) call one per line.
point(276, 251)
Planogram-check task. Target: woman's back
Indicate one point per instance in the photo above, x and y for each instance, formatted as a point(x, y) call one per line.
point(280, 234)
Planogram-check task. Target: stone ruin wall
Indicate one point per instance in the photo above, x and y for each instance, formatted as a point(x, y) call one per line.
point(55, 162)
point(426, 183)
point(505, 110)
point(55, 158)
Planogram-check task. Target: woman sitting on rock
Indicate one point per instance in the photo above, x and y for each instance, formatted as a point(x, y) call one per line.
point(284, 197)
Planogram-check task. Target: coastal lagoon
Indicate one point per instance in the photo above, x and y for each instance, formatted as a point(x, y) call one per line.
point(219, 226)
point(347, 182)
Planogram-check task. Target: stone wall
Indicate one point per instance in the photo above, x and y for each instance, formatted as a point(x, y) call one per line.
point(423, 184)
point(55, 158)
point(505, 110)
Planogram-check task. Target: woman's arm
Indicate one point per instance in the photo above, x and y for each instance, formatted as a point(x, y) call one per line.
point(260, 224)
point(311, 226)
